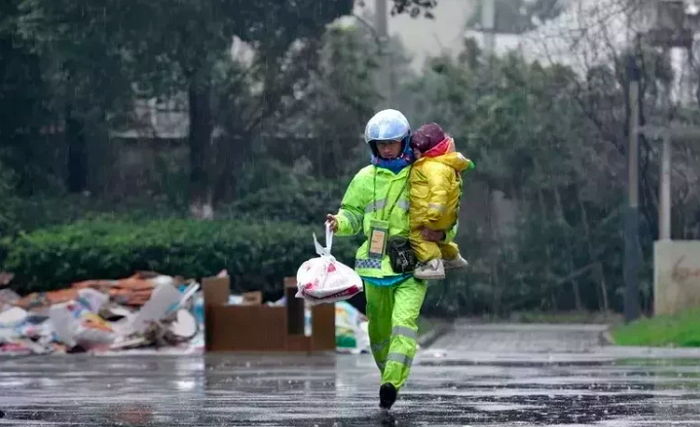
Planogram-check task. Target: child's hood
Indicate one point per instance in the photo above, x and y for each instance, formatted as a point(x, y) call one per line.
point(455, 160)
point(445, 153)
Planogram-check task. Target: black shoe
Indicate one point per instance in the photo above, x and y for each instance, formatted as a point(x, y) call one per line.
point(387, 395)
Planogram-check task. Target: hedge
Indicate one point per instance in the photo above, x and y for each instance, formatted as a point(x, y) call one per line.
point(258, 254)
point(304, 204)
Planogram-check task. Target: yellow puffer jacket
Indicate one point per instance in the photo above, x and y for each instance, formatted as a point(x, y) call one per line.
point(435, 190)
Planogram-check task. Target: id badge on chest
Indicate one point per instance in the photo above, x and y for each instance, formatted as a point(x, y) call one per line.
point(378, 236)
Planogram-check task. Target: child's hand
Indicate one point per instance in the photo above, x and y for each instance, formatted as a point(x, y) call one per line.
point(332, 222)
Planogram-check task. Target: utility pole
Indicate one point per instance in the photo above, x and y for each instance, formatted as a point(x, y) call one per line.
point(380, 18)
point(665, 177)
point(632, 259)
point(385, 79)
point(488, 25)
point(665, 190)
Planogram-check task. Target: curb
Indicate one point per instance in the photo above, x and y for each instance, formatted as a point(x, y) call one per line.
point(425, 341)
point(605, 337)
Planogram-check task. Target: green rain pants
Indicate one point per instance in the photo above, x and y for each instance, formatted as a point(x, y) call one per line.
point(393, 330)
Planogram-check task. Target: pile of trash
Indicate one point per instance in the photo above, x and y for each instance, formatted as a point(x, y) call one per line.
point(351, 335)
point(140, 313)
point(101, 316)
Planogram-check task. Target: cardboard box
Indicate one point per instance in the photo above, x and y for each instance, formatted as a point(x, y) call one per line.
point(252, 298)
point(259, 327)
point(246, 328)
point(216, 290)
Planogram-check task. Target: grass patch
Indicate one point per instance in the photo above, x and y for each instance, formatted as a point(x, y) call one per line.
point(680, 330)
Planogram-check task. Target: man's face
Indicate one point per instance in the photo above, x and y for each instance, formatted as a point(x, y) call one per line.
point(389, 149)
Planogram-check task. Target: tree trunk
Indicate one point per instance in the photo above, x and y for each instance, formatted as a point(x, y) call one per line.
point(598, 272)
point(495, 249)
point(76, 178)
point(200, 144)
point(569, 250)
point(231, 154)
point(548, 253)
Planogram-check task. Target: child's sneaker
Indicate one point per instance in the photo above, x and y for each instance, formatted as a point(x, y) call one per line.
point(455, 263)
point(431, 270)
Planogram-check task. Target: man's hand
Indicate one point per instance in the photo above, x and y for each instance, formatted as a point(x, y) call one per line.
point(332, 222)
point(432, 235)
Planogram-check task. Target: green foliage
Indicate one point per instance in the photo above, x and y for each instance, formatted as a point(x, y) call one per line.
point(306, 203)
point(339, 97)
point(679, 330)
point(289, 110)
point(300, 200)
point(524, 127)
point(21, 107)
point(7, 201)
point(180, 54)
point(260, 238)
point(553, 144)
point(257, 254)
point(31, 213)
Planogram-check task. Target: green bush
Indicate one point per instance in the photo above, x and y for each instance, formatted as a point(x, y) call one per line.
point(303, 203)
point(41, 211)
point(258, 255)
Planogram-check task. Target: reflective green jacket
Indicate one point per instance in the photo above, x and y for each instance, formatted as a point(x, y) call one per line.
point(371, 194)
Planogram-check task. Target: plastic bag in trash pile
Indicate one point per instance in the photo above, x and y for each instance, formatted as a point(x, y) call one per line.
point(350, 329)
point(74, 324)
point(325, 280)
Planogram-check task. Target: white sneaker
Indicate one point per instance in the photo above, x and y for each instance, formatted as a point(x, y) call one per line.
point(455, 263)
point(432, 270)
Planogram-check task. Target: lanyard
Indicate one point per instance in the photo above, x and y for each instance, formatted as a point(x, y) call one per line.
point(374, 193)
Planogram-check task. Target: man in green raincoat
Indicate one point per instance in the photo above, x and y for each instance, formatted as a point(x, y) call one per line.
point(376, 203)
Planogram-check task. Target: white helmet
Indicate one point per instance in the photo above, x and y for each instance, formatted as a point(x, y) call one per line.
point(387, 125)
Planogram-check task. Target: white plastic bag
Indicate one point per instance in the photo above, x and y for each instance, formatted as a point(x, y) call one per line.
point(325, 280)
point(164, 300)
point(72, 322)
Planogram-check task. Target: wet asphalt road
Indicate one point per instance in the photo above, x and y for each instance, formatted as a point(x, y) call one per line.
point(492, 375)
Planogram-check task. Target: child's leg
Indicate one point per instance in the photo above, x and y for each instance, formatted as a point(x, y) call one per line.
point(452, 259)
point(425, 251)
point(430, 265)
point(448, 250)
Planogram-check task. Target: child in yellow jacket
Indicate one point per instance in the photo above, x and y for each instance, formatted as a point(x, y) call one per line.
point(435, 190)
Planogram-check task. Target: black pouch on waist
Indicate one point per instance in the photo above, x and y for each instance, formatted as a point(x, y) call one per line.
point(401, 255)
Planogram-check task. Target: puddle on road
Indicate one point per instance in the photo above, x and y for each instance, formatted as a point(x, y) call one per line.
point(240, 391)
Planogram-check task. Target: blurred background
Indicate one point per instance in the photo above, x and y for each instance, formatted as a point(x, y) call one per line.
point(187, 137)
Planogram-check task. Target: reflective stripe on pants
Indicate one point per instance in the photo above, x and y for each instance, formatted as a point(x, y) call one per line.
point(393, 314)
